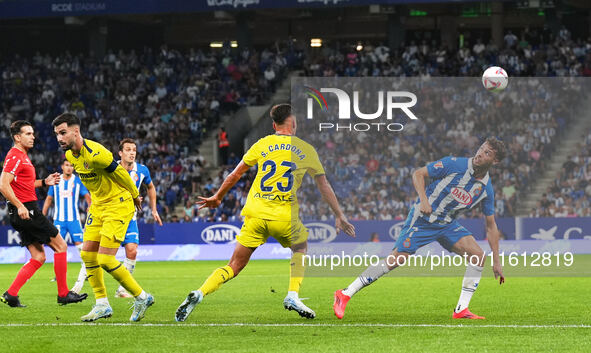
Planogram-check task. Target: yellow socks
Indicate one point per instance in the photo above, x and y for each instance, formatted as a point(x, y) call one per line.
point(216, 279)
point(110, 264)
point(94, 273)
point(296, 272)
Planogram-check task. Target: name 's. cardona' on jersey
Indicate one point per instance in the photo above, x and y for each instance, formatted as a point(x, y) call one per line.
point(220, 234)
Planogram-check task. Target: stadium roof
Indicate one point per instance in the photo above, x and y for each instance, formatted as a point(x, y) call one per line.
point(57, 8)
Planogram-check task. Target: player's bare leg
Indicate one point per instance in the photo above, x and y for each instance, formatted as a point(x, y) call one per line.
point(130, 261)
point(296, 275)
point(370, 275)
point(476, 257)
point(219, 276)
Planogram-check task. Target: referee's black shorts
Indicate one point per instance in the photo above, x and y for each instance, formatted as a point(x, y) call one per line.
point(37, 229)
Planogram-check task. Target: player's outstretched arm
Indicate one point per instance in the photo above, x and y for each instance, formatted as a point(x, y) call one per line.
point(6, 190)
point(493, 235)
point(418, 181)
point(341, 222)
point(231, 180)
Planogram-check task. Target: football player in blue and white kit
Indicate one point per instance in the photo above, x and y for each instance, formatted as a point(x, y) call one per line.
point(140, 174)
point(66, 217)
point(457, 184)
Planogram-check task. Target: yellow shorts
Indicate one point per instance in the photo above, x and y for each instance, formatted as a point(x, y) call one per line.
point(107, 223)
point(256, 231)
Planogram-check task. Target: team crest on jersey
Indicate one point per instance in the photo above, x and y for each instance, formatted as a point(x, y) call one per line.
point(406, 243)
point(134, 176)
point(438, 165)
point(86, 165)
point(477, 191)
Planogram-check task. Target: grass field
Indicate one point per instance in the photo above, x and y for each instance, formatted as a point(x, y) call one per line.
point(410, 314)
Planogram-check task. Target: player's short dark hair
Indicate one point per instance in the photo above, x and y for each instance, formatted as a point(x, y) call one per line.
point(68, 118)
point(15, 127)
point(498, 146)
point(280, 112)
point(126, 140)
point(66, 160)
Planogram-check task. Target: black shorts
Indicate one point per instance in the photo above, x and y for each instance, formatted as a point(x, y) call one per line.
point(37, 229)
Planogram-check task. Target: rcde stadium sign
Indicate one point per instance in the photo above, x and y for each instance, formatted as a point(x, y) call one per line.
point(78, 7)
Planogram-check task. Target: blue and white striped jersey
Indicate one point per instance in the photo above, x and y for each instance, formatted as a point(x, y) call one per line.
point(454, 189)
point(66, 195)
point(139, 174)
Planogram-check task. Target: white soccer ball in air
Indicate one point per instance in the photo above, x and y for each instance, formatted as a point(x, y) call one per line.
point(495, 79)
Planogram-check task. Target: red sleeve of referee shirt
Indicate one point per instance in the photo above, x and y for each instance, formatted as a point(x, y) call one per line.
point(12, 163)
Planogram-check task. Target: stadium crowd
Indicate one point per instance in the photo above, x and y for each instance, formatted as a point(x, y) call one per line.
point(164, 99)
point(378, 185)
point(570, 194)
point(167, 100)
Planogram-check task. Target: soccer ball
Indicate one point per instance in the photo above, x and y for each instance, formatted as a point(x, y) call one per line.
point(495, 79)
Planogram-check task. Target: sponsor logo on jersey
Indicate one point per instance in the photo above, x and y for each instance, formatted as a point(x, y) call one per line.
point(462, 196)
point(321, 232)
point(220, 234)
point(438, 165)
point(66, 193)
point(87, 175)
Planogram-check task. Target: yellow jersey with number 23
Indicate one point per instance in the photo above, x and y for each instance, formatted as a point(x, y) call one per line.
point(282, 161)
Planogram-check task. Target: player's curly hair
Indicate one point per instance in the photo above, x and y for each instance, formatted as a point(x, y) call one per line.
point(280, 112)
point(498, 146)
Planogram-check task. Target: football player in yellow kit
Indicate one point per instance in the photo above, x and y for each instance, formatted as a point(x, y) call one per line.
point(114, 200)
point(272, 208)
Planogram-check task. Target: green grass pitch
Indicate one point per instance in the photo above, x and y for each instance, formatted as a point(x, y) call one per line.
point(406, 314)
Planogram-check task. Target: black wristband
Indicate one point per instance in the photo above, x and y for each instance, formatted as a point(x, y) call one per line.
point(43, 183)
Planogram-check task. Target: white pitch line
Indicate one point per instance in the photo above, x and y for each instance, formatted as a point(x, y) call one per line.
point(292, 325)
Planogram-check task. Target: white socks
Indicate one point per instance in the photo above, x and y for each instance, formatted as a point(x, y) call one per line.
point(370, 275)
point(129, 265)
point(143, 295)
point(469, 285)
point(102, 301)
point(81, 275)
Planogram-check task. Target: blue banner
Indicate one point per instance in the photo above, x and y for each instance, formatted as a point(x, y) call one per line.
point(555, 228)
point(56, 8)
point(319, 231)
